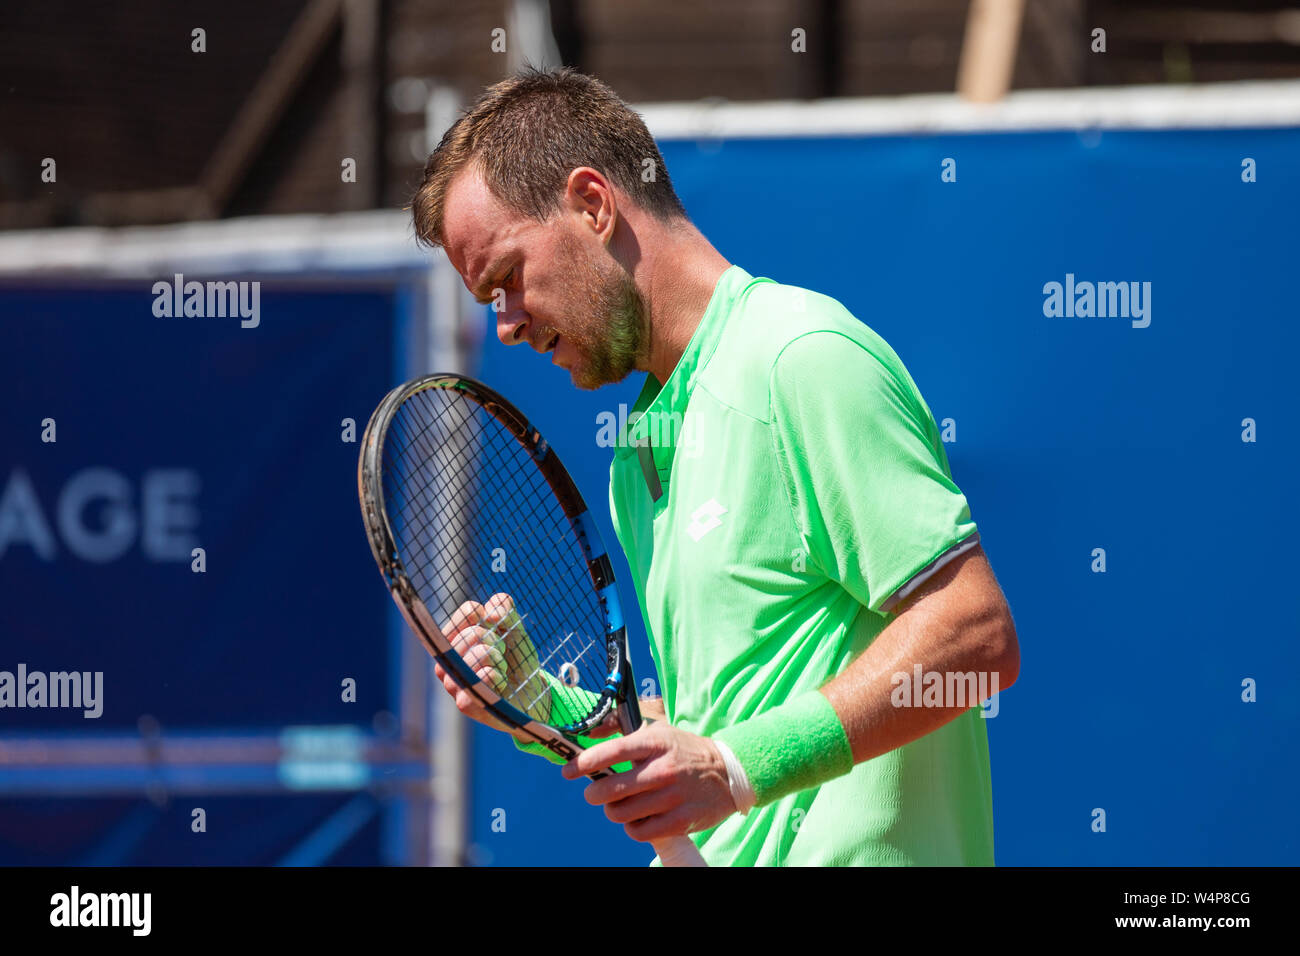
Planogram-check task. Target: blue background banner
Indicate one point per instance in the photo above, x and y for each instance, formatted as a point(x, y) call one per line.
point(191, 432)
point(176, 433)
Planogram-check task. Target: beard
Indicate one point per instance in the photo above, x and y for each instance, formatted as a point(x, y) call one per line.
point(607, 322)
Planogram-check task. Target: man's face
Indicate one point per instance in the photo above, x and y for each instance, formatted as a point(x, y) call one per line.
point(561, 290)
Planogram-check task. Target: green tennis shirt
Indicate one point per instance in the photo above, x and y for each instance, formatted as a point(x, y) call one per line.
point(776, 498)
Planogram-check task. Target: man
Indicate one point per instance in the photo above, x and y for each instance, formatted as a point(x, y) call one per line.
point(798, 546)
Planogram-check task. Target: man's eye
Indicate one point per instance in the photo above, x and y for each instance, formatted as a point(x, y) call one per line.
point(509, 275)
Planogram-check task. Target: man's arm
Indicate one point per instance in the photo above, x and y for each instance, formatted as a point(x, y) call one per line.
point(958, 622)
point(872, 498)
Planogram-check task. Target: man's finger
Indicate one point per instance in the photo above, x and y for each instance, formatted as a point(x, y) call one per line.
point(471, 612)
point(642, 805)
point(490, 675)
point(464, 702)
point(481, 656)
point(676, 822)
point(468, 637)
point(622, 786)
point(636, 746)
point(498, 608)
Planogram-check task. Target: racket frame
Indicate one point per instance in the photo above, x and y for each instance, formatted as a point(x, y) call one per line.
point(618, 690)
point(619, 686)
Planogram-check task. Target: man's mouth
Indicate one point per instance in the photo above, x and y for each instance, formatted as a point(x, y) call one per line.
point(550, 346)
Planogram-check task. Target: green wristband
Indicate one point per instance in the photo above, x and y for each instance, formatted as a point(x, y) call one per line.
point(563, 699)
point(586, 742)
point(560, 714)
point(796, 746)
point(552, 756)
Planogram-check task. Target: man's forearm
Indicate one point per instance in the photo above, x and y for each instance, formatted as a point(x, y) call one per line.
point(973, 649)
point(957, 632)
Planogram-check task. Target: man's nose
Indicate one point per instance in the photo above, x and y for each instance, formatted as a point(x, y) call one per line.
point(512, 326)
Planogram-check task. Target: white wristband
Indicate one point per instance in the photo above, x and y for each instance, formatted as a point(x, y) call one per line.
point(741, 790)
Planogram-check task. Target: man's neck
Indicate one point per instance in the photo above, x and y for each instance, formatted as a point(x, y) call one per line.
point(679, 273)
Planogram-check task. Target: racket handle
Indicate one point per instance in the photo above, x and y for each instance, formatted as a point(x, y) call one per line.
point(678, 851)
point(673, 851)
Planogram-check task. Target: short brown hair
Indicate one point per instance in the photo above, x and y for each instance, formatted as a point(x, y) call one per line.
point(528, 132)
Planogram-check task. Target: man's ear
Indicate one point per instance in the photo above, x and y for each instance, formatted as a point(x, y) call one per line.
point(590, 197)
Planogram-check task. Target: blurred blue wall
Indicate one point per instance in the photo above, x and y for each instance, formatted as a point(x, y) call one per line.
point(175, 433)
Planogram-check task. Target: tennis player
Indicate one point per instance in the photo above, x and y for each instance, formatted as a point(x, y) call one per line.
point(820, 610)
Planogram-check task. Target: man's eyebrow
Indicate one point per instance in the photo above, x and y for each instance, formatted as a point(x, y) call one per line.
point(489, 275)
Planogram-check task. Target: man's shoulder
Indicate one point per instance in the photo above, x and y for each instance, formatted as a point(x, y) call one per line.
point(769, 318)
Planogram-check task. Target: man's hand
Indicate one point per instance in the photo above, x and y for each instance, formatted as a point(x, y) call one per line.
point(492, 641)
point(677, 784)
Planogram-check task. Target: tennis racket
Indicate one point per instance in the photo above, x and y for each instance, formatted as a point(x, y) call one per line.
point(489, 552)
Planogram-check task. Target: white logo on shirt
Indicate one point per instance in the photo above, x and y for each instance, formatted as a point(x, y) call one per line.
point(705, 518)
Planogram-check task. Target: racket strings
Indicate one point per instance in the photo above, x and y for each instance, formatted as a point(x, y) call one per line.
point(544, 663)
point(462, 493)
point(499, 507)
point(422, 539)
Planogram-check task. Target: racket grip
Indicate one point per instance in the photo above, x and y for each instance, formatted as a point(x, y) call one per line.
point(678, 851)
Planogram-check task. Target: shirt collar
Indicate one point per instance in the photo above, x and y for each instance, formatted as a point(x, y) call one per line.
point(657, 417)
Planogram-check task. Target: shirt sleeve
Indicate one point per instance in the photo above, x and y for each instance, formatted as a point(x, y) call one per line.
point(865, 469)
